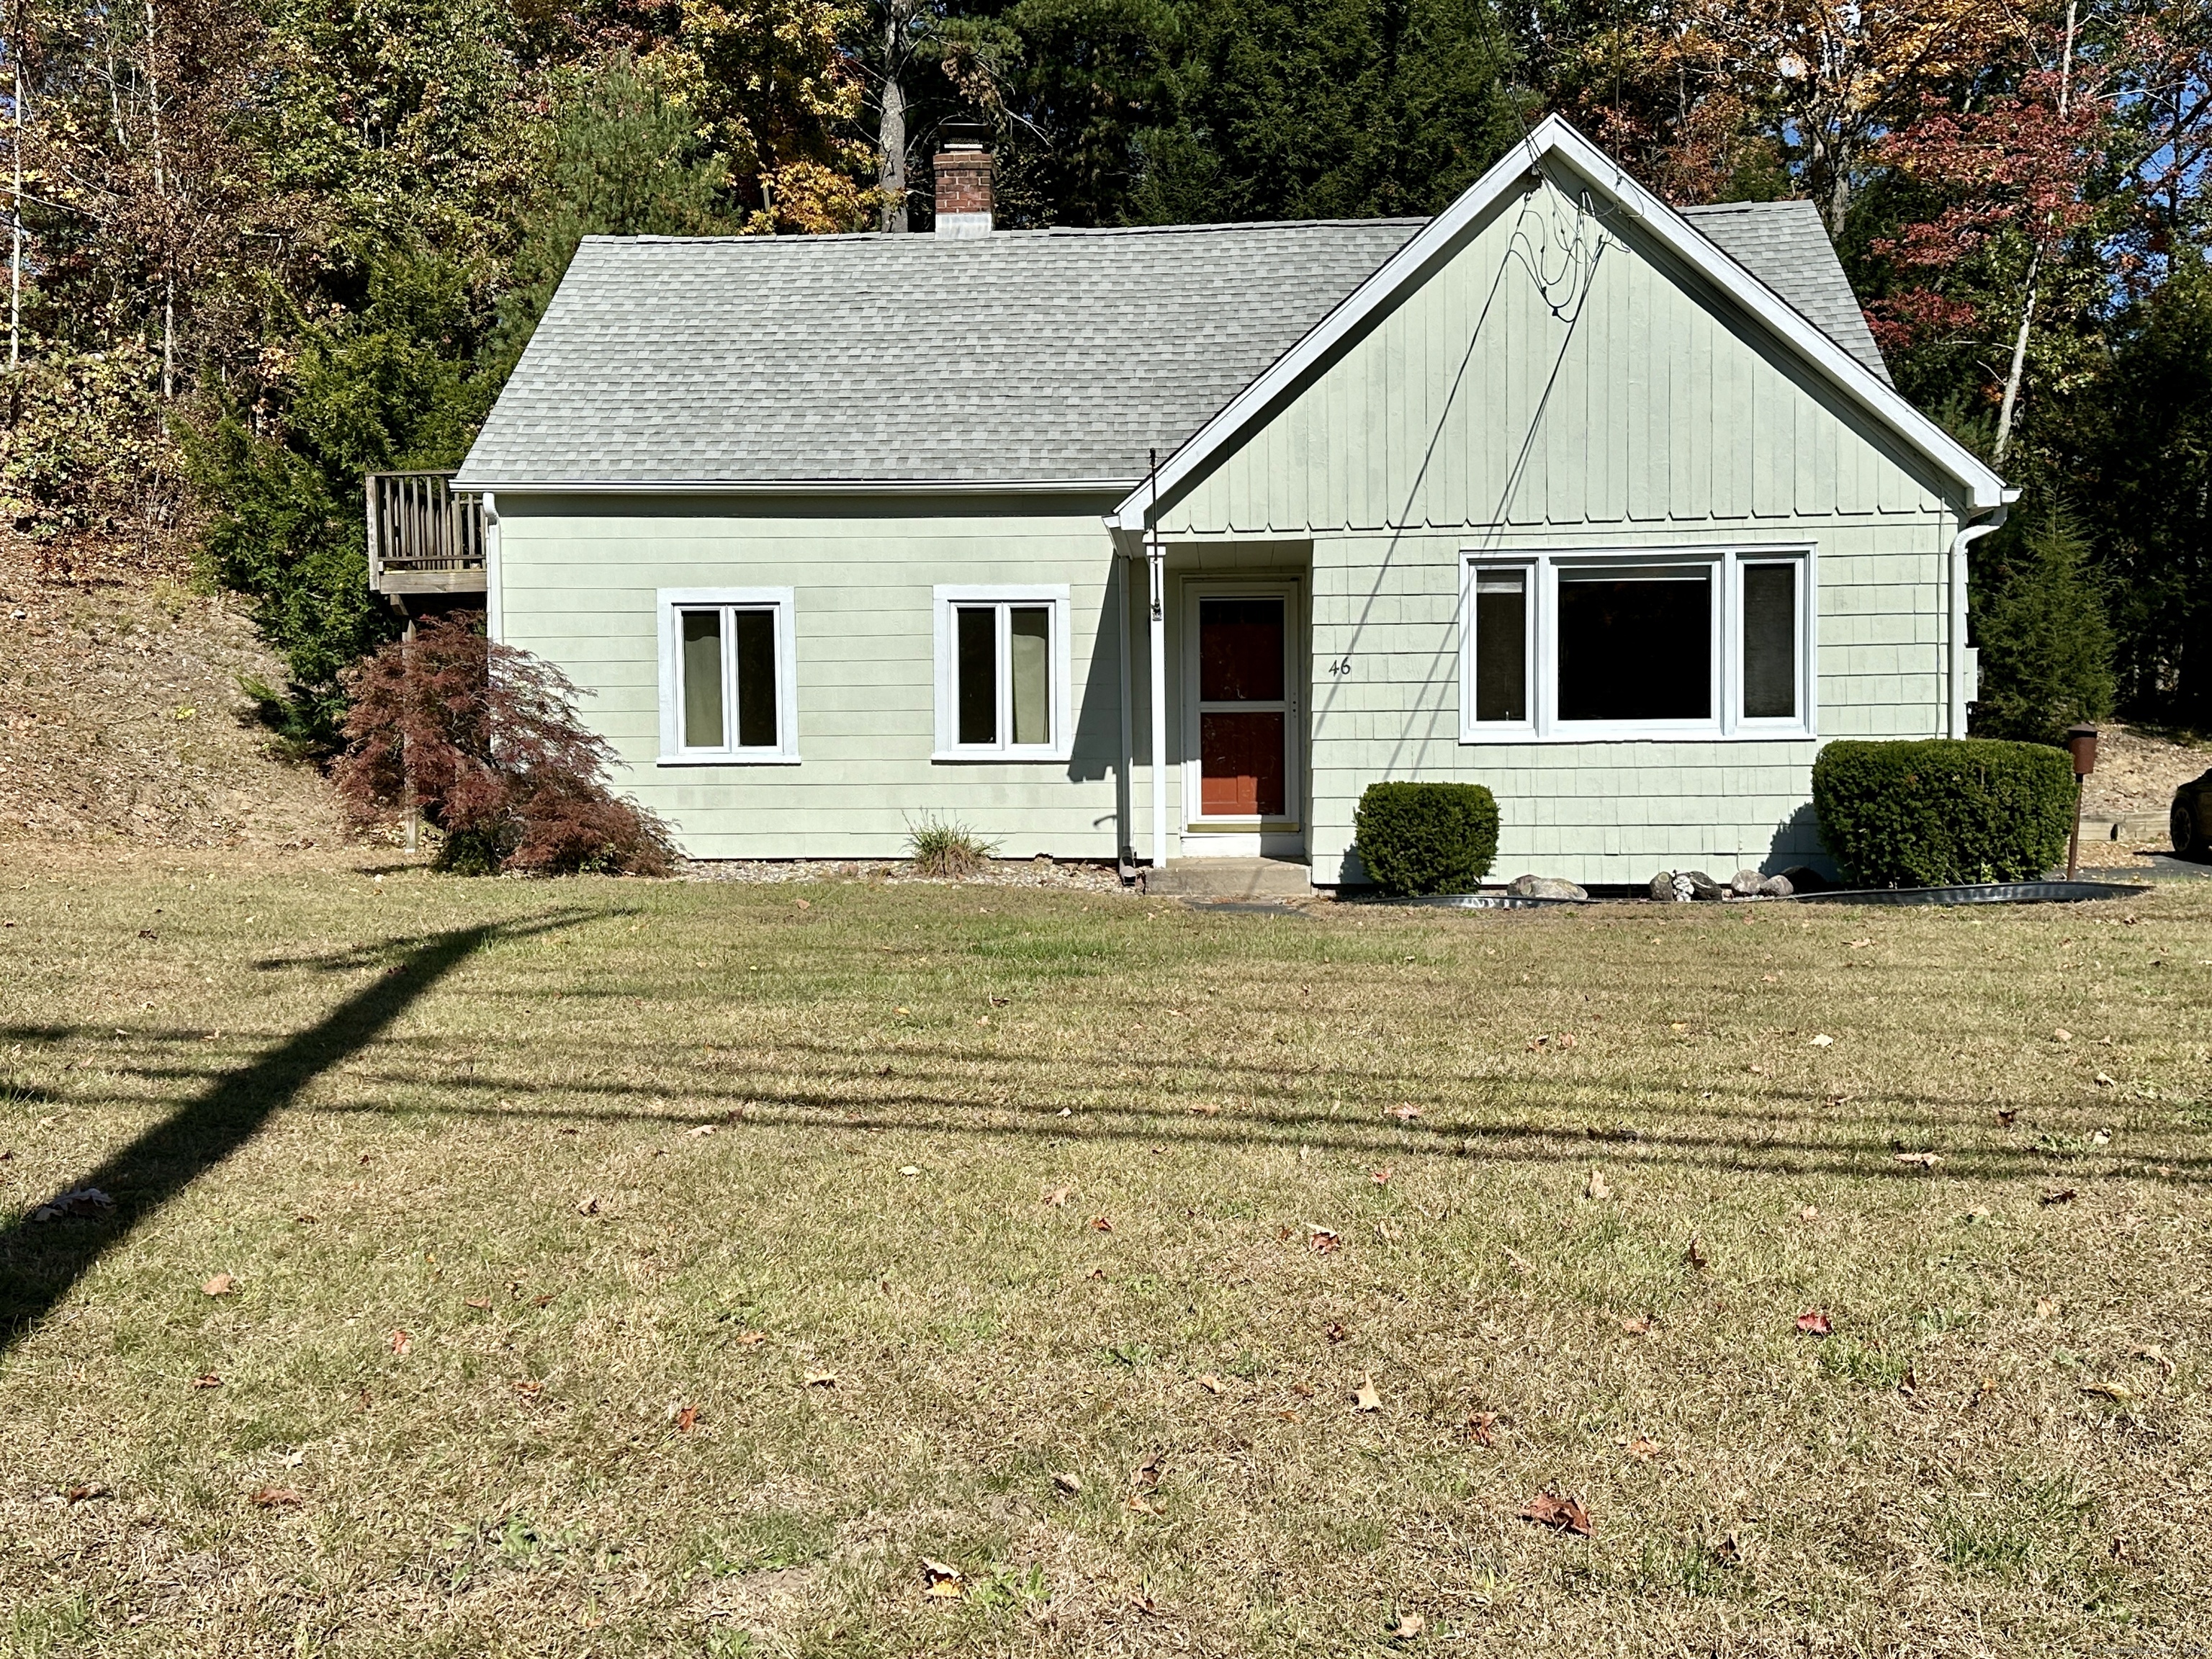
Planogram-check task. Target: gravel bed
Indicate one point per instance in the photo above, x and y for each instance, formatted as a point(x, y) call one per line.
point(1073, 875)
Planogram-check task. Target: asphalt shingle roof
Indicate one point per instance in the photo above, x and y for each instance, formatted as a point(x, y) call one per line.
point(1785, 244)
point(1027, 358)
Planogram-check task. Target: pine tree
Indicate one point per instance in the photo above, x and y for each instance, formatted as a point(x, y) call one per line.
point(2046, 643)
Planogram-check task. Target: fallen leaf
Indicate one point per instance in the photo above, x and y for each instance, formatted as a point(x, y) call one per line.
point(221, 1285)
point(1334, 1331)
point(544, 1301)
point(801, 904)
point(2046, 1306)
point(1211, 1383)
point(207, 1380)
point(1068, 1481)
point(748, 1339)
point(1808, 1213)
point(477, 1302)
point(702, 1129)
point(1814, 1322)
point(1920, 1160)
point(1139, 1504)
point(940, 1579)
point(2102, 1138)
point(821, 1380)
point(686, 1417)
point(1639, 1326)
point(529, 1390)
point(903, 1010)
point(1480, 1425)
point(2005, 1114)
point(1141, 1602)
point(1205, 1110)
point(2062, 1035)
point(2105, 1081)
point(1695, 1256)
point(909, 1170)
point(1409, 1625)
point(1380, 1177)
point(1823, 1040)
point(1324, 1240)
point(90, 1489)
point(1365, 1399)
point(277, 1497)
point(1548, 1509)
point(1643, 1450)
point(1405, 1113)
point(1099, 1224)
point(588, 1205)
point(2057, 1195)
point(1597, 1187)
point(2117, 1393)
point(401, 1341)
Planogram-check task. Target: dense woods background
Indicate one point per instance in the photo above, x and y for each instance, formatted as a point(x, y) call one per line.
point(259, 247)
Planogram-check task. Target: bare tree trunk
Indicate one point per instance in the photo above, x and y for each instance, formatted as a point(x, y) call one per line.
point(2017, 372)
point(890, 128)
point(161, 194)
point(15, 248)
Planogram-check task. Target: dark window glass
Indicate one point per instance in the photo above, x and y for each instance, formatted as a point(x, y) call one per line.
point(976, 664)
point(1501, 645)
point(702, 679)
point(1636, 645)
point(1770, 641)
point(1240, 650)
point(756, 643)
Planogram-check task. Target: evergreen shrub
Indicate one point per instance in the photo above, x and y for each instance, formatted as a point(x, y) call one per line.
point(1426, 837)
point(1943, 812)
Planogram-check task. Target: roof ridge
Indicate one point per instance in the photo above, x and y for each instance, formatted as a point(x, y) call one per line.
point(1071, 233)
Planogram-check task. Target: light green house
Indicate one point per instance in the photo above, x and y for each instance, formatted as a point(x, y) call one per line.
point(1163, 544)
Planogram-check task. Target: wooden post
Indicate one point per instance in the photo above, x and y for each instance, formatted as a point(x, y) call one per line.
point(2081, 744)
point(411, 819)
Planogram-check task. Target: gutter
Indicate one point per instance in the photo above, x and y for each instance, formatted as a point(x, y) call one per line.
point(1115, 487)
point(1968, 533)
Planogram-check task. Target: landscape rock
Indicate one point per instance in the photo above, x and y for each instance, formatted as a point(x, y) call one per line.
point(1802, 879)
point(1746, 883)
point(1702, 886)
point(1663, 887)
point(1549, 887)
point(1777, 887)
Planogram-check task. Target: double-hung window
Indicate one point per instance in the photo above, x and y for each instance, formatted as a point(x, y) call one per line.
point(728, 679)
point(1599, 646)
point(1002, 676)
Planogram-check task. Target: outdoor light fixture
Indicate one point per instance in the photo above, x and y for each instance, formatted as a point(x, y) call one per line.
point(2082, 743)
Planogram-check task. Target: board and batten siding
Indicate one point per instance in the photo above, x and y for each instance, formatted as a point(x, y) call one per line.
point(1623, 403)
point(577, 579)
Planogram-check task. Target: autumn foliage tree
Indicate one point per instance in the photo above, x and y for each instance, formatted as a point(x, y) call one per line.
point(482, 740)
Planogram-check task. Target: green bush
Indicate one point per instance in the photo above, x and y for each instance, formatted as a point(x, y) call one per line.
point(1943, 812)
point(1426, 837)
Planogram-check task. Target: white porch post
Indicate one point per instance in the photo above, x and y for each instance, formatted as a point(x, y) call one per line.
point(1156, 558)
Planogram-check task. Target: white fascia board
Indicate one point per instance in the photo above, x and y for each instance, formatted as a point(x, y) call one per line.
point(1556, 139)
point(808, 487)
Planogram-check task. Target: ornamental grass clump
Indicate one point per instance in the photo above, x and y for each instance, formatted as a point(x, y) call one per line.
point(1943, 812)
point(946, 850)
point(1426, 837)
point(482, 740)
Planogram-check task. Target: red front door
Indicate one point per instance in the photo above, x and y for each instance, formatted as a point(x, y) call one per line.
point(1243, 707)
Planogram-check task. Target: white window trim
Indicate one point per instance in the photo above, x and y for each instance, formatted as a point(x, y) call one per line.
point(669, 601)
point(948, 748)
point(1543, 725)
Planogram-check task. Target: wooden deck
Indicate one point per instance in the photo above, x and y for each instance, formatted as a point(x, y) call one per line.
point(423, 538)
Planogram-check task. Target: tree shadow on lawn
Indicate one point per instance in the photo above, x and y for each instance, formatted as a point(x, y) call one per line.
point(40, 1261)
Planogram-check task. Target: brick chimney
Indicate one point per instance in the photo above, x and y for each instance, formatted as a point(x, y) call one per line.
point(963, 184)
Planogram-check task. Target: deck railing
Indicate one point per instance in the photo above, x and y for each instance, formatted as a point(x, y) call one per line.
point(422, 538)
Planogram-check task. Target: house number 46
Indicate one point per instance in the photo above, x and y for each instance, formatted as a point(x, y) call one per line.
point(1341, 667)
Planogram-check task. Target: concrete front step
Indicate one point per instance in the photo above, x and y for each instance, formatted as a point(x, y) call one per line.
point(1231, 878)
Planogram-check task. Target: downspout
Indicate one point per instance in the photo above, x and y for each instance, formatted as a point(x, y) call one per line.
point(495, 612)
point(1125, 808)
point(1156, 558)
point(1960, 542)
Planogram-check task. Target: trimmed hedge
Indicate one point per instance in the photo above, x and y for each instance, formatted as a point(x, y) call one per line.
point(1426, 837)
point(1943, 812)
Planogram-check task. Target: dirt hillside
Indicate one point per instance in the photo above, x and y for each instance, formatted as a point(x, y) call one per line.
point(121, 719)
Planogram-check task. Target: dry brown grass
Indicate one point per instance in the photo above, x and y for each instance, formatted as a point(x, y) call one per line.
point(443, 1093)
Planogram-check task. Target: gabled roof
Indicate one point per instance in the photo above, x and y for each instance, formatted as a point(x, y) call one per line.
point(1785, 244)
point(1563, 154)
point(1025, 358)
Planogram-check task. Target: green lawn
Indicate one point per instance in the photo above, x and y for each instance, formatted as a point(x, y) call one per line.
point(627, 1267)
